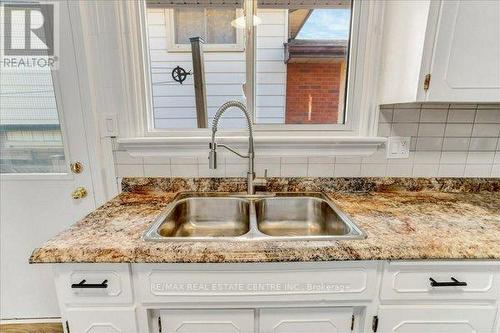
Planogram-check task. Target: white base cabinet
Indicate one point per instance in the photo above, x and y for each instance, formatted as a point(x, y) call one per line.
point(100, 320)
point(436, 319)
point(206, 321)
point(322, 297)
point(306, 320)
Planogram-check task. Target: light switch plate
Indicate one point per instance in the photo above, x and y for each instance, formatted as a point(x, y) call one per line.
point(398, 147)
point(109, 125)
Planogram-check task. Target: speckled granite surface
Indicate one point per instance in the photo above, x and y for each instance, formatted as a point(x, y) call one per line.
point(404, 219)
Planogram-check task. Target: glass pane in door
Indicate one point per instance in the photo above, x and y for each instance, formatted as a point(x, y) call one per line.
point(30, 130)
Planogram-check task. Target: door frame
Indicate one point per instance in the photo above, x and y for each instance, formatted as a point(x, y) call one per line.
point(100, 148)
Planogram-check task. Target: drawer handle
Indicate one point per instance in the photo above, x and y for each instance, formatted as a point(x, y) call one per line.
point(83, 285)
point(454, 283)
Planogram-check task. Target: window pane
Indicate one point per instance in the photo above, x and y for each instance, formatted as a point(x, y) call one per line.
point(31, 139)
point(302, 70)
point(173, 104)
point(219, 27)
point(189, 22)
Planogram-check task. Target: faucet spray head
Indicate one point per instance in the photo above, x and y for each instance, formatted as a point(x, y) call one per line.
point(212, 157)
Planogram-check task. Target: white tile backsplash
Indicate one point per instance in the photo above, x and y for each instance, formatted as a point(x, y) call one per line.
point(433, 115)
point(456, 144)
point(488, 115)
point(373, 170)
point(486, 130)
point(483, 144)
point(157, 170)
point(495, 171)
point(205, 171)
point(184, 170)
point(446, 140)
point(461, 115)
point(453, 157)
point(294, 170)
point(386, 115)
point(477, 170)
point(347, 170)
point(451, 170)
point(404, 129)
point(427, 157)
point(458, 130)
point(429, 143)
point(320, 170)
point(400, 170)
point(478, 157)
point(425, 170)
point(411, 115)
point(164, 160)
point(431, 129)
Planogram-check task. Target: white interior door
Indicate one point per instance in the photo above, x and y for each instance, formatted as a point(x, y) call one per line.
point(42, 132)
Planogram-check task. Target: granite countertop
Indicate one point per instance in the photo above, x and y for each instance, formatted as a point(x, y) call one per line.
point(404, 219)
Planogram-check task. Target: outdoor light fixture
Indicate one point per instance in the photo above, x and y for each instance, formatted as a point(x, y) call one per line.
point(240, 22)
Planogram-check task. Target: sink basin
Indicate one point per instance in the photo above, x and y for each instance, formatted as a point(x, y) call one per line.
point(230, 216)
point(205, 217)
point(299, 216)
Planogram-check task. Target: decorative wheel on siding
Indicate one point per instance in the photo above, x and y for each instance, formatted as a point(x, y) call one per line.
point(179, 74)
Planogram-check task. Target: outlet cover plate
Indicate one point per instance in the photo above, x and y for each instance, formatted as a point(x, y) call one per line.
point(398, 147)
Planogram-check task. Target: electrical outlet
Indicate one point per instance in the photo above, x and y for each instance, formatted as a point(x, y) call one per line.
point(398, 147)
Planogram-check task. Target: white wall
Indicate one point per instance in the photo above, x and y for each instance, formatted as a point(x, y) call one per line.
point(457, 140)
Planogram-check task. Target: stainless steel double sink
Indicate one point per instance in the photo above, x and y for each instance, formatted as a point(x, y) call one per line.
point(230, 216)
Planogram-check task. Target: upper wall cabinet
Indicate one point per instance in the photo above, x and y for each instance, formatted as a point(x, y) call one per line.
point(441, 51)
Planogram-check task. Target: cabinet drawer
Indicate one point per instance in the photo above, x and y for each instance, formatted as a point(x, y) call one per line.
point(440, 281)
point(94, 284)
point(259, 281)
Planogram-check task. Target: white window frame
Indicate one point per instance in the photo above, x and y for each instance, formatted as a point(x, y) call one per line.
point(172, 46)
point(357, 136)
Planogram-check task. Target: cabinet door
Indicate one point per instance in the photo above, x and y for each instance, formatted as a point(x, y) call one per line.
point(433, 319)
point(306, 320)
point(101, 320)
point(466, 64)
point(207, 321)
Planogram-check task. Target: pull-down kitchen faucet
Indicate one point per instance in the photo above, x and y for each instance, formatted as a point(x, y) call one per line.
point(212, 157)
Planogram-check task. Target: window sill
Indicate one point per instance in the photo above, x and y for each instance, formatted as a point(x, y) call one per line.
point(264, 145)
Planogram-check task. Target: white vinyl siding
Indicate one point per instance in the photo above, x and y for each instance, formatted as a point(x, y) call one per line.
point(225, 73)
point(30, 135)
point(271, 70)
point(174, 104)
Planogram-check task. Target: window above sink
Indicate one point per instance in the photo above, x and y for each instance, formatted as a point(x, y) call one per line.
point(309, 88)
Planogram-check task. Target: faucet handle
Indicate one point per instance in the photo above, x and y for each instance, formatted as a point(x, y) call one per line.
point(260, 183)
